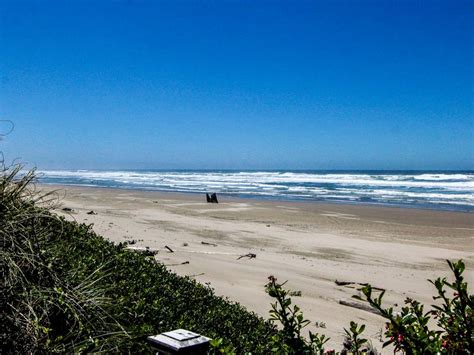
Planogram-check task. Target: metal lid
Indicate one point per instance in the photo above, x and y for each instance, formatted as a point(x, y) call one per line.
point(178, 339)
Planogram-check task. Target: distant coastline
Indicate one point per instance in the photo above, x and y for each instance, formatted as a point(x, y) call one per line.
point(436, 190)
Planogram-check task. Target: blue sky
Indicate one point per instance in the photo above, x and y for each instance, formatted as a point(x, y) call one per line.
point(238, 84)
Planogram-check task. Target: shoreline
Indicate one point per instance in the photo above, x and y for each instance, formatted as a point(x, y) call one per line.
point(257, 198)
point(310, 244)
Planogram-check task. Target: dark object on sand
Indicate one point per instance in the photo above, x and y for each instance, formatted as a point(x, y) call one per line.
point(183, 263)
point(91, 212)
point(206, 243)
point(358, 305)
point(169, 249)
point(67, 209)
point(212, 198)
point(249, 255)
point(350, 283)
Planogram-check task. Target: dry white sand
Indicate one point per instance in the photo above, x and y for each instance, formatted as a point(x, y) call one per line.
point(309, 244)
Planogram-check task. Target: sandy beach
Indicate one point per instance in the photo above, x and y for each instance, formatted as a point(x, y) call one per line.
point(309, 244)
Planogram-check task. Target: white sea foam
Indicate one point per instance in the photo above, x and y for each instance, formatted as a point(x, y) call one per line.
point(424, 188)
point(443, 177)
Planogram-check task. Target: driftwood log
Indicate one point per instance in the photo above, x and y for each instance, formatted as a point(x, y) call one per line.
point(249, 255)
point(183, 263)
point(348, 283)
point(364, 307)
point(211, 198)
point(206, 243)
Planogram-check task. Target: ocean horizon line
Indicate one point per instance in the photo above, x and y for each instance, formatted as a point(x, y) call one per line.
point(259, 170)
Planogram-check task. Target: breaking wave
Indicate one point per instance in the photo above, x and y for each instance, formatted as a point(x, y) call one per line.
point(442, 190)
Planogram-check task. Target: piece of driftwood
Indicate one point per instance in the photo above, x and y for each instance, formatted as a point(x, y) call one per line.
point(347, 283)
point(211, 198)
point(169, 249)
point(67, 209)
point(91, 212)
point(343, 283)
point(358, 305)
point(206, 243)
point(249, 255)
point(183, 263)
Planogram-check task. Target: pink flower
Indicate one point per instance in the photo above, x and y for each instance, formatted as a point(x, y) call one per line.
point(400, 338)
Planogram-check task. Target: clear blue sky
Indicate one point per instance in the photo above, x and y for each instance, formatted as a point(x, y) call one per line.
point(238, 84)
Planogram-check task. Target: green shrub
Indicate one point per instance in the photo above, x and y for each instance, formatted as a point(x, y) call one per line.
point(354, 343)
point(290, 340)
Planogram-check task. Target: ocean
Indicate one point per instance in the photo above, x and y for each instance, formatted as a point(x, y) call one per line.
point(446, 190)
